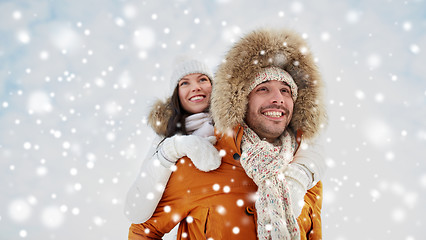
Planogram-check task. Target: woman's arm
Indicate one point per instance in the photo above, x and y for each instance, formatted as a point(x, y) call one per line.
point(310, 156)
point(146, 191)
point(171, 210)
point(304, 172)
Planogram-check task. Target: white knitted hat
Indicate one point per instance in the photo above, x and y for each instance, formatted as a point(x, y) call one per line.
point(186, 65)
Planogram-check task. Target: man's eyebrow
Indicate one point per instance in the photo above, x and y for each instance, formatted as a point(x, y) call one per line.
point(286, 84)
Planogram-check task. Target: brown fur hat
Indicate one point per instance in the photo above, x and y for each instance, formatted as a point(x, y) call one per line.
point(264, 48)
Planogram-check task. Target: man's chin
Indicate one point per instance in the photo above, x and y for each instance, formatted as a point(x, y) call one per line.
point(267, 129)
point(271, 134)
point(276, 127)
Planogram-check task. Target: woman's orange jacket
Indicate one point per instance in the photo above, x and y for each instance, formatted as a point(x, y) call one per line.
point(218, 204)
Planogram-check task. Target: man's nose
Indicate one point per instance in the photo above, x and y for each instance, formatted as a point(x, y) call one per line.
point(277, 97)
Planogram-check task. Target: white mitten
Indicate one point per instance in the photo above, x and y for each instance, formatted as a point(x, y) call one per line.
point(297, 181)
point(310, 155)
point(200, 150)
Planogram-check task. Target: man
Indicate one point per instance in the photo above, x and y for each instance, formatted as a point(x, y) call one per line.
point(266, 91)
point(246, 93)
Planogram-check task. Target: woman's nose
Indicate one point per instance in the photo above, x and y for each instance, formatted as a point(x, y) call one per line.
point(196, 87)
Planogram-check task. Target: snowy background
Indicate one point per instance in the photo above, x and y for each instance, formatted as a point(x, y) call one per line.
point(77, 79)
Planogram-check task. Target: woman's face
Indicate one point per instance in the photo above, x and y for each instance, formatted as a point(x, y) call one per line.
point(194, 92)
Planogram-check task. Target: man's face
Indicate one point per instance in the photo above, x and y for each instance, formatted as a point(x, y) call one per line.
point(270, 108)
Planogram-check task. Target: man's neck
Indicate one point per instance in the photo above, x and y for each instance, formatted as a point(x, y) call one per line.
point(273, 141)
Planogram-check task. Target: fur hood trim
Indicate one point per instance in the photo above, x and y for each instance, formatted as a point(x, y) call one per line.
point(264, 48)
point(159, 116)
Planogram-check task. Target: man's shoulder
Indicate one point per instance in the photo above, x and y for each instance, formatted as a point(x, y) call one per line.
point(230, 139)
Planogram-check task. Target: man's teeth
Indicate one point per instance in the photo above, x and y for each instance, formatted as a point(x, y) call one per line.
point(273, 114)
point(196, 98)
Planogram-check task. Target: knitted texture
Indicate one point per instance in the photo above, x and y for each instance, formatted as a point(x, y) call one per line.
point(277, 74)
point(167, 153)
point(254, 52)
point(200, 150)
point(185, 66)
point(308, 151)
point(300, 173)
point(265, 164)
point(298, 181)
point(199, 124)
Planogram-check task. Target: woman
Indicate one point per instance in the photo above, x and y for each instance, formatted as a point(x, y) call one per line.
point(187, 108)
point(188, 125)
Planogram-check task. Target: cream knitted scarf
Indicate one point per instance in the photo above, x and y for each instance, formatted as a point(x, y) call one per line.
point(265, 164)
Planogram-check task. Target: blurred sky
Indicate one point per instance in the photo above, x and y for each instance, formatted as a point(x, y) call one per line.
point(77, 79)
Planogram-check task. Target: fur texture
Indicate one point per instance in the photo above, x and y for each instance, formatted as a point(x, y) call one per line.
point(159, 116)
point(259, 49)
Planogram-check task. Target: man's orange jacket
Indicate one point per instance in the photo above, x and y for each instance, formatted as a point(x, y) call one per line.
point(218, 204)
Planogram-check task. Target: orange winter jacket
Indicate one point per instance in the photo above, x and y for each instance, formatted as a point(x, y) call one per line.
point(218, 204)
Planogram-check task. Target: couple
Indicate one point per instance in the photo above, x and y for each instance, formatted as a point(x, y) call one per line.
point(255, 181)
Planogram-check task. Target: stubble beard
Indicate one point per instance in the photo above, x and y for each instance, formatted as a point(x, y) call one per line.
point(265, 128)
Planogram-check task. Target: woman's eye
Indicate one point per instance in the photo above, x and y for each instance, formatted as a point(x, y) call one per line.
point(203, 80)
point(183, 83)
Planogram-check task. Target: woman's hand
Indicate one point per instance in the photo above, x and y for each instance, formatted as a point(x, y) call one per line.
point(200, 150)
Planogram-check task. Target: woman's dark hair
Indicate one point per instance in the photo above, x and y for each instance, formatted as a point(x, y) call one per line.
point(176, 123)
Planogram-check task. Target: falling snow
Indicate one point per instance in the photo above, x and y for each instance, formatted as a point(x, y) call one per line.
point(77, 82)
